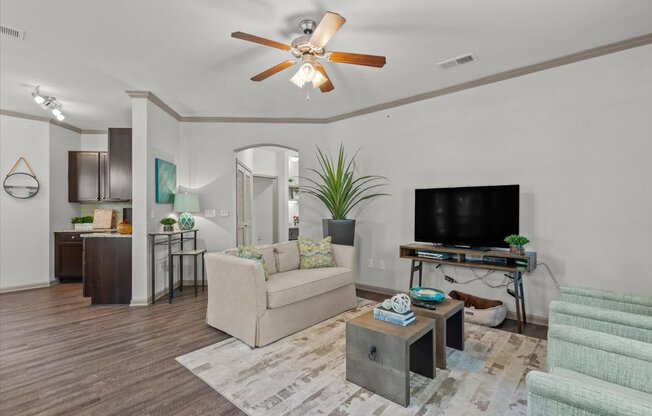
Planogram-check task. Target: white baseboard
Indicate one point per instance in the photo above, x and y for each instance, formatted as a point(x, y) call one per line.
point(27, 287)
point(161, 293)
point(537, 320)
point(377, 289)
point(533, 319)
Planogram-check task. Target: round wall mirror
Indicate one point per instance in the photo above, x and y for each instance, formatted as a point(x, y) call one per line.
point(21, 185)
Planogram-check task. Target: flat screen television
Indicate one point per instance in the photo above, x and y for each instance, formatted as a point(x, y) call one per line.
point(474, 216)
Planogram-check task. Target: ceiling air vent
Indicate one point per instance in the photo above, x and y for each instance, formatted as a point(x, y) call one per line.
point(11, 32)
point(460, 60)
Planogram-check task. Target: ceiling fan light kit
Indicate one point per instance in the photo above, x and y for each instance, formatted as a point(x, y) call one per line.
point(308, 49)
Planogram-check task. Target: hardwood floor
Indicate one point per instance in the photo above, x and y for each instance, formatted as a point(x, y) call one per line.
point(61, 356)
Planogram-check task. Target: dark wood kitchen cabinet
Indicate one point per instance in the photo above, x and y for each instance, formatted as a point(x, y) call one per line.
point(68, 255)
point(83, 176)
point(119, 165)
point(107, 270)
point(102, 176)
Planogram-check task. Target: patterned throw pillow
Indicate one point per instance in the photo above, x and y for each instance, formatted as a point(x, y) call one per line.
point(252, 253)
point(315, 254)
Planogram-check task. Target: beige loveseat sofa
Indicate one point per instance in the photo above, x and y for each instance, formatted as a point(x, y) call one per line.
point(241, 303)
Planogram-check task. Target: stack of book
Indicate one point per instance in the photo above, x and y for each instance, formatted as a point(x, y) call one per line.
point(393, 317)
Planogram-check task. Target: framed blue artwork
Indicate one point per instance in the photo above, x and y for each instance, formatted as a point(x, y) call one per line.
point(165, 174)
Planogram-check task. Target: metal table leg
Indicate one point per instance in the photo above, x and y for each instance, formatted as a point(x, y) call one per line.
point(203, 272)
point(170, 271)
point(195, 259)
point(181, 265)
point(153, 268)
point(517, 295)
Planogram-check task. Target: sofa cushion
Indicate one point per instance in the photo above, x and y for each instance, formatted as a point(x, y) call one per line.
point(585, 380)
point(285, 288)
point(287, 256)
point(270, 258)
point(268, 255)
point(253, 253)
point(315, 254)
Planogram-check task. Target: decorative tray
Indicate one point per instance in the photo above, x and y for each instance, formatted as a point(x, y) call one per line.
point(427, 294)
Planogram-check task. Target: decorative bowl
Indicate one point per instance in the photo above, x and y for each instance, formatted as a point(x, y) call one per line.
point(427, 293)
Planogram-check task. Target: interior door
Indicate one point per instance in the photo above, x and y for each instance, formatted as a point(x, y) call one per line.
point(243, 203)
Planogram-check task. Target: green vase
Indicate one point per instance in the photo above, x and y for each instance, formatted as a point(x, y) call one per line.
point(186, 221)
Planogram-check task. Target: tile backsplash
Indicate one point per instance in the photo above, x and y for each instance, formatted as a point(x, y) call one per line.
point(117, 207)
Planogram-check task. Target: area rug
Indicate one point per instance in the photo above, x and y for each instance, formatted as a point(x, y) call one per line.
point(305, 374)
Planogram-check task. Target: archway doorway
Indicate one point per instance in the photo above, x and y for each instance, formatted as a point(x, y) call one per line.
point(267, 205)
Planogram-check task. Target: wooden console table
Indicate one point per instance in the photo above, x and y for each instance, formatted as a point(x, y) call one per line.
point(409, 252)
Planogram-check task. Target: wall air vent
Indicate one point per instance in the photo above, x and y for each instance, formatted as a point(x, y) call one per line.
point(11, 32)
point(460, 60)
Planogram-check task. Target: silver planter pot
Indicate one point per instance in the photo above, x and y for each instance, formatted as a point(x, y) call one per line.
point(341, 231)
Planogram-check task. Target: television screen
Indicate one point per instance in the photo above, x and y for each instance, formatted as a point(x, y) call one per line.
point(477, 216)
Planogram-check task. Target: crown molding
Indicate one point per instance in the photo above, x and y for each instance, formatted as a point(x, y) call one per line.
point(295, 120)
point(501, 76)
point(40, 118)
point(94, 131)
point(156, 101)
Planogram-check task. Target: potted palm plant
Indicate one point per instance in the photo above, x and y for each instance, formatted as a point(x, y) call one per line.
point(338, 188)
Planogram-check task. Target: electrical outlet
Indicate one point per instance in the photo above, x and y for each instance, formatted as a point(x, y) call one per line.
point(209, 213)
point(381, 265)
point(370, 263)
point(152, 214)
point(224, 213)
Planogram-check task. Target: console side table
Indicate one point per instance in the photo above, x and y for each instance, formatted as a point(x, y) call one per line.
point(515, 264)
point(170, 238)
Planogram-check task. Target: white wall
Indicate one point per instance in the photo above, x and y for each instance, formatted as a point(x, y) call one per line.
point(95, 142)
point(576, 138)
point(155, 134)
point(25, 223)
point(61, 211)
point(207, 165)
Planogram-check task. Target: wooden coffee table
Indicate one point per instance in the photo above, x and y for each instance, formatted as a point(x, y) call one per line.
point(449, 317)
point(380, 355)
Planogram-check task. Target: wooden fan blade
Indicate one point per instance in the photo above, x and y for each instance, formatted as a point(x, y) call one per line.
point(357, 59)
point(262, 41)
point(273, 70)
point(330, 23)
point(328, 85)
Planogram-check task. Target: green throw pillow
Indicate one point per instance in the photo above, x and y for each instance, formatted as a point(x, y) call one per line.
point(315, 254)
point(252, 253)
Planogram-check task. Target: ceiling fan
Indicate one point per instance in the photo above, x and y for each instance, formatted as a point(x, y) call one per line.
point(308, 49)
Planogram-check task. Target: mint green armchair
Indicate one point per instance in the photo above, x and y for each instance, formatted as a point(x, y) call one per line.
point(556, 395)
point(592, 373)
point(608, 321)
point(607, 299)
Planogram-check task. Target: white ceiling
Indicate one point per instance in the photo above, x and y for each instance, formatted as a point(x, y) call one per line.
point(88, 52)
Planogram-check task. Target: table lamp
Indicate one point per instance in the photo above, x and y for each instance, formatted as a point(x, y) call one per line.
point(185, 203)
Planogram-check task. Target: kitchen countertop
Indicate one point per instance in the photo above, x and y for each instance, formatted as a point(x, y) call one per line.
point(106, 235)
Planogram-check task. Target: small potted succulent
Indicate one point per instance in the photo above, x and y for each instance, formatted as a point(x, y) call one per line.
point(168, 224)
point(82, 223)
point(516, 243)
